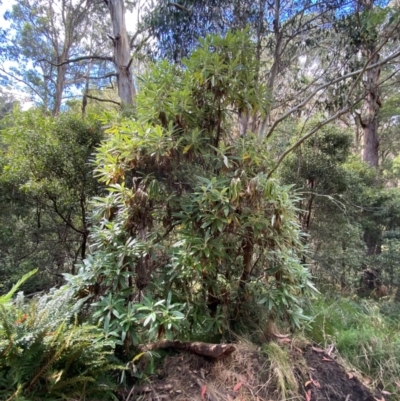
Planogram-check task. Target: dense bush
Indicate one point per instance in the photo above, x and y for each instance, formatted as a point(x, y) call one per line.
point(192, 225)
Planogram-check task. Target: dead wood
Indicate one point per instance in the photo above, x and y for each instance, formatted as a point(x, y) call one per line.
point(199, 348)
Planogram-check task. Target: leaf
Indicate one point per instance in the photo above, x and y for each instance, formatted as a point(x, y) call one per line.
point(386, 392)
point(138, 356)
point(315, 382)
point(350, 375)
point(327, 359)
point(308, 395)
point(397, 384)
point(5, 298)
point(186, 148)
point(203, 392)
point(307, 383)
point(281, 335)
point(319, 350)
point(226, 162)
point(237, 386)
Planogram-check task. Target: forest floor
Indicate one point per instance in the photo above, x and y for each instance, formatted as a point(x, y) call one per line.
point(282, 370)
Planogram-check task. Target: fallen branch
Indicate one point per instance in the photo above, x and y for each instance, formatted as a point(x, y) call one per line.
point(198, 348)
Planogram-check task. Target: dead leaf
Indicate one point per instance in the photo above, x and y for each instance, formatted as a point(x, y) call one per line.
point(350, 375)
point(380, 399)
point(397, 384)
point(367, 381)
point(386, 392)
point(284, 340)
point(307, 383)
point(237, 386)
point(327, 359)
point(298, 349)
point(203, 392)
point(315, 382)
point(308, 395)
point(281, 335)
point(319, 350)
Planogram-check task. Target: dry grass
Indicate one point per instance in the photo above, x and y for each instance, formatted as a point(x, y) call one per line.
point(251, 373)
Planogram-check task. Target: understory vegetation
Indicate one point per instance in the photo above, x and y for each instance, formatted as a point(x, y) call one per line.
point(365, 334)
point(238, 184)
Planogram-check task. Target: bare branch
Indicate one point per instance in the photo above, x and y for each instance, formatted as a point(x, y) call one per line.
point(326, 85)
point(339, 113)
point(21, 80)
point(388, 78)
point(180, 7)
point(109, 75)
point(103, 100)
point(75, 60)
point(141, 44)
point(134, 37)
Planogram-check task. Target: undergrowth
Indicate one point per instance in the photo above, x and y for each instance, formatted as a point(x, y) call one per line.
point(45, 353)
point(363, 336)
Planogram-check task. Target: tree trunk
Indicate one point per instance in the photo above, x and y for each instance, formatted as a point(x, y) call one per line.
point(278, 34)
point(60, 83)
point(372, 103)
point(369, 120)
point(122, 56)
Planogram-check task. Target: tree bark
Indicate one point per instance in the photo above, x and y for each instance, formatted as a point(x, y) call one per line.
point(372, 103)
point(369, 120)
point(60, 84)
point(122, 56)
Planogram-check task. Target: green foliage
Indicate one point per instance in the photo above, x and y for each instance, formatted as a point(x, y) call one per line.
point(330, 187)
point(47, 180)
point(191, 226)
point(122, 323)
point(350, 216)
point(45, 353)
point(363, 336)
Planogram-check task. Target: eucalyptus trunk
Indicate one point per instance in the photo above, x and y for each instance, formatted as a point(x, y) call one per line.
point(369, 119)
point(60, 85)
point(372, 103)
point(122, 54)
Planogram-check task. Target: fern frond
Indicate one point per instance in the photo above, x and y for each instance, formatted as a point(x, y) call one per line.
point(7, 297)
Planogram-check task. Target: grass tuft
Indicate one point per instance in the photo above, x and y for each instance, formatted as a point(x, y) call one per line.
point(281, 374)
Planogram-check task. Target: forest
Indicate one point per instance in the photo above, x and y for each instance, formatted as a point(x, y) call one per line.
point(200, 200)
